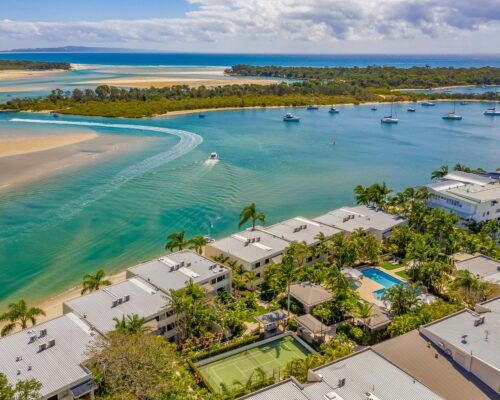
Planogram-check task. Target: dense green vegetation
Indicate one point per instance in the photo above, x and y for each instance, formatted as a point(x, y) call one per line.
point(22, 390)
point(135, 103)
point(33, 65)
point(379, 77)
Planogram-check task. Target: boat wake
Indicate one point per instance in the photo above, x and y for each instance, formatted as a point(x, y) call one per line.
point(188, 141)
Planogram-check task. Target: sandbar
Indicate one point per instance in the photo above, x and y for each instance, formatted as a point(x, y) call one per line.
point(7, 74)
point(16, 147)
point(160, 82)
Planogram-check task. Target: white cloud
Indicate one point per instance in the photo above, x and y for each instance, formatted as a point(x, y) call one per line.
point(271, 21)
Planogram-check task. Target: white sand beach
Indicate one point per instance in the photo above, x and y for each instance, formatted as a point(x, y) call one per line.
point(23, 73)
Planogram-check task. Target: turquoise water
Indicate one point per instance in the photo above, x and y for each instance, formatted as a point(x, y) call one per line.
point(386, 280)
point(118, 212)
point(313, 60)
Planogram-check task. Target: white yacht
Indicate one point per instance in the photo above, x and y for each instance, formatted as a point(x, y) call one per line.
point(289, 117)
point(390, 119)
point(333, 110)
point(373, 108)
point(452, 115)
point(428, 104)
point(312, 107)
point(411, 109)
point(213, 156)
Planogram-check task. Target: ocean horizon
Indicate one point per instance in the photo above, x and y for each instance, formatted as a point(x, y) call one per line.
point(228, 59)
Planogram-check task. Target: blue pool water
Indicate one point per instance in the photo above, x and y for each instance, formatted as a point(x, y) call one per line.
point(386, 280)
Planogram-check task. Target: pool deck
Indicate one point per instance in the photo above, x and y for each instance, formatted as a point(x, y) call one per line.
point(369, 286)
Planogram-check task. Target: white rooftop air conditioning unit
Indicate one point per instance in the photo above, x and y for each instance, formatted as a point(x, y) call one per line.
point(114, 303)
point(188, 265)
point(304, 226)
point(42, 346)
point(51, 343)
point(43, 332)
point(126, 298)
point(32, 338)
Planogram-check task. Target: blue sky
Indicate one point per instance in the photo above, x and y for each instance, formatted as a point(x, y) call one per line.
point(93, 10)
point(258, 26)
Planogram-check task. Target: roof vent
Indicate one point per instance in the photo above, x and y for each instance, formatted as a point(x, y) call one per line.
point(332, 396)
point(32, 338)
point(30, 367)
point(464, 339)
point(19, 372)
point(479, 321)
point(341, 382)
point(19, 358)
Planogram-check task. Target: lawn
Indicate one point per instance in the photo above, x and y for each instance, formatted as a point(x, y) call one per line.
point(389, 266)
point(271, 357)
point(402, 274)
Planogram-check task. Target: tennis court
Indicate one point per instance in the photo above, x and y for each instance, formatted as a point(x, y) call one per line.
point(271, 357)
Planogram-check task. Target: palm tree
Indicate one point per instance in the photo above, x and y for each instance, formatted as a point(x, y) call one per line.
point(250, 279)
point(176, 241)
point(472, 288)
point(364, 312)
point(440, 172)
point(94, 282)
point(288, 272)
point(130, 324)
point(403, 299)
point(196, 243)
point(250, 213)
point(19, 314)
point(361, 195)
point(221, 258)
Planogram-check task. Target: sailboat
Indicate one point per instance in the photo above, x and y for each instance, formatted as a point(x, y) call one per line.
point(492, 111)
point(452, 115)
point(390, 119)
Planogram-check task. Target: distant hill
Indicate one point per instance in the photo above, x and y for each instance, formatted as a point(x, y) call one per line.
point(74, 49)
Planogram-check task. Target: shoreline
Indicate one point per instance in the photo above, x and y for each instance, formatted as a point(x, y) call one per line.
point(371, 103)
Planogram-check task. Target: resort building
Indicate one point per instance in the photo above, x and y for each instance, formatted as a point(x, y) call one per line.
point(470, 196)
point(364, 375)
point(300, 229)
point(173, 272)
point(371, 219)
point(133, 296)
point(472, 340)
point(253, 249)
point(481, 266)
point(51, 353)
point(416, 355)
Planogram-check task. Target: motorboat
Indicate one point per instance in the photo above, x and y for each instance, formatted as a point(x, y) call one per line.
point(410, 109)
point(289, 117)
point(428, 104)
point(201, 115)
point(373, 108)
point(55, 115)
point(312, 107)
point(213, 156)
point(333, 110)
point(492, 112)
point(452, 115)
point(463, 103)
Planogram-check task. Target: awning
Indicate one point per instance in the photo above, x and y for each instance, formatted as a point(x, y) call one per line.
point(83, 388)
point(272, 317)
point(351, 273)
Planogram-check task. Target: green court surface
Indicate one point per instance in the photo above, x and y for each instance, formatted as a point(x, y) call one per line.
point(271, 357)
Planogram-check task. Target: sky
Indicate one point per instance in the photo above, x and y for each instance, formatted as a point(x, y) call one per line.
point(256, 26)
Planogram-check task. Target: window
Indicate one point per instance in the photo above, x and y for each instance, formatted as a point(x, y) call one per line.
point(309, 259)
point(170, 313)
point(267, 261)
point(170, 327)
point(221, 278)
point(213, 281)
point(257, 264)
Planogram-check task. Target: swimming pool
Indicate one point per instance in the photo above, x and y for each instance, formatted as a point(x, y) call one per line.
point(386, 280)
